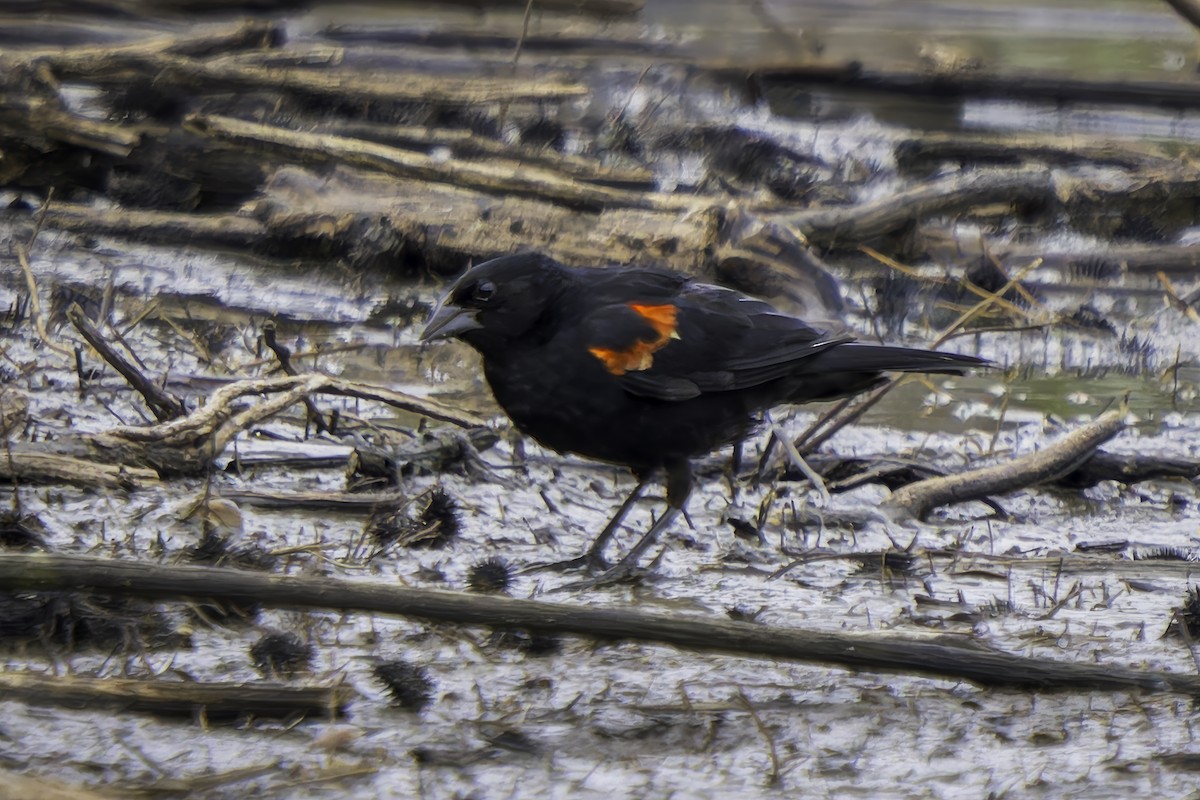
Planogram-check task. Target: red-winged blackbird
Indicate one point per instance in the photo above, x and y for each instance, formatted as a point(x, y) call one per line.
point(646, 367)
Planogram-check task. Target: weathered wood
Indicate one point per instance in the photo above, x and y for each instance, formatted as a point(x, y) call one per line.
point(17, 786)
point(468, 145)
point(212, 230)
point(133, 457)
point(21, 462)
point(213, 702)
point(117, 67)
point(494, 176)
point(206, 41)
point(600, 8)
point(187, 445)
point(1042, 466)
point(955, 84)
point(566, 39)
point(1009, 148)
point(844, 474)
point(1128, 468)
point(39, 122)
point(162, 403)
point(853, 225)
point(1143, 258)
point(41, 572)
point(449, 225)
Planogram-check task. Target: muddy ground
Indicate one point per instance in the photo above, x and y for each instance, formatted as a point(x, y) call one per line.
point(203, 186)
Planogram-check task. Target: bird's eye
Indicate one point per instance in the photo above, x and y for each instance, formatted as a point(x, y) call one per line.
point(483, 291)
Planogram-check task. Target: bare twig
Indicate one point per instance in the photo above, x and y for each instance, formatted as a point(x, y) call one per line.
point(162, 403)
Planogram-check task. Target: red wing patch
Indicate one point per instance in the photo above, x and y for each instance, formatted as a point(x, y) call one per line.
point(640, 356)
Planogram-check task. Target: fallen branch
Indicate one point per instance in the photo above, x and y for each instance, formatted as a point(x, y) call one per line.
point(187, 445)
point(957, 194)
point(214, 702)
point(466, 144)
point(1027, 86)
point(1127, 468)
point(20, 464)
point(42, 572)
point(284, 355)
point(496, 175)
point(37, 122)
point(1045, 465)
point(971, 147)
point(182, 74)
point(164, 404)
point(227, 230)
point(599, 8)
point(1113, 258)
point(132, 457)
point(211, 40)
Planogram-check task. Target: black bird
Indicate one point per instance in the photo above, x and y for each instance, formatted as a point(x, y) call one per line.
point(648, 368)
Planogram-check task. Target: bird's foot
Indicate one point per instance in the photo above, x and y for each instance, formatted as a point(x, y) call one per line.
point(620, 572)
point(589, 561)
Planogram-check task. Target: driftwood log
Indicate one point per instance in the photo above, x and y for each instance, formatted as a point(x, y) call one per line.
point(41, 572)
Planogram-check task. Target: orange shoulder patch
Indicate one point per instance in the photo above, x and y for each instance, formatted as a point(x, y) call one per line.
point(663, 320)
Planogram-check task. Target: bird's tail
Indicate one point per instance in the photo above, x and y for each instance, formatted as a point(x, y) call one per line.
point(857, 357)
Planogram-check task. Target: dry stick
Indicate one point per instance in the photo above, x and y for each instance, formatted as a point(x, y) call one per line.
point(976, 147)
point(35, 304)
point(217, 701)
point(765, 732)
point(285, 363)
point(237, 36)
point(1047, 464)
point(45, 572)
point(470, 145)
point(1177, 302)
point(324, 501)
point(503, 116)
point(495, 175)
point(231, 230)
point(206, 419)
point(342, 86)
point(162, 403)
point(1135, 258)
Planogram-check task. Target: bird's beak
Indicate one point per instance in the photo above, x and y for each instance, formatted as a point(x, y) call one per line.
point(449, 321)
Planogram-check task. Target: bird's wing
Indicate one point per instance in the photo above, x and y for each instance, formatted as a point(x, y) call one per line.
point(697, 339)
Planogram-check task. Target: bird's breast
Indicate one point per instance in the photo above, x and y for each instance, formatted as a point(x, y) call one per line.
point(574, 405)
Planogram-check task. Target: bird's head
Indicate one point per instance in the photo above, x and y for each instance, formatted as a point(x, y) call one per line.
point(498, 300)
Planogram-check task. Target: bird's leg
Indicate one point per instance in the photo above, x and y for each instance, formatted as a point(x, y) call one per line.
point(595, 553)
point(679, 486)
point(594, 557)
